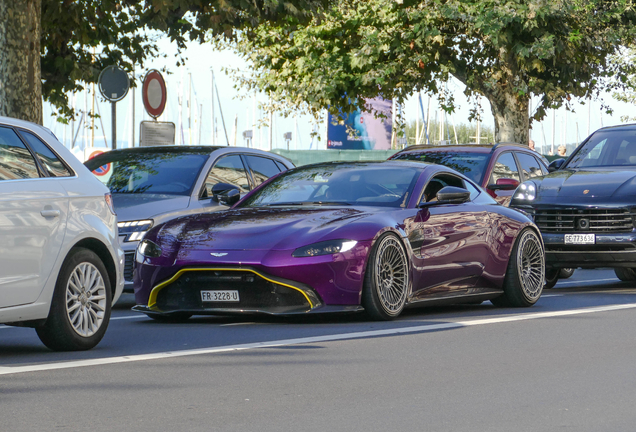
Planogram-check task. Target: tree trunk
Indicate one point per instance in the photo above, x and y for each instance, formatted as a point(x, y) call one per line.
point(512, 122)
point(20, 75)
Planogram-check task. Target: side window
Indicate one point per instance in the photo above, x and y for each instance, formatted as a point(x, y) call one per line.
point(281, 166)
point(529, 166)
point(16, 161)
point(505, 167)
point(544, 170)
point(47, 158)
point(229, 169)
point(262, 168)
point(437, 183)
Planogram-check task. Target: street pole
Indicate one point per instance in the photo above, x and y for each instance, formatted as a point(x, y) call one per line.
point(113, 114)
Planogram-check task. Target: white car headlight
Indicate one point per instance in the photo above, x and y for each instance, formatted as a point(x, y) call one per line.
point(134, 230)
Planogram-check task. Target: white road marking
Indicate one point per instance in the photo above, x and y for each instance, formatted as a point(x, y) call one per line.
point(7, 370)
point(588, 281)
point(239, 323)
point(551, 295)
point(128, 317)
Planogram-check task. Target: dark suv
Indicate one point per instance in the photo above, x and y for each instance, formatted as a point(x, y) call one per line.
point(586, 206)
point(498, 168)
point(151, 185)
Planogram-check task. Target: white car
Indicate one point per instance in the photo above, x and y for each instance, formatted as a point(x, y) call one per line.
point(61, 266)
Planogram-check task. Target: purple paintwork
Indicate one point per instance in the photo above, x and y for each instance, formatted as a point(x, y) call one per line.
point(454, 250)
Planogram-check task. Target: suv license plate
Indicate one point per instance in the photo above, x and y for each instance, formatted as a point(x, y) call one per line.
point(579, 239)
point(220, 296)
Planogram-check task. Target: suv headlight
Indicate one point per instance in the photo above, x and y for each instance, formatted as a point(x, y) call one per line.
point(526, 192)
point(134, 230)
point(328, 247)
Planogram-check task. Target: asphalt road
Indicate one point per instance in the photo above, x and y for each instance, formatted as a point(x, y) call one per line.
point(567, 363)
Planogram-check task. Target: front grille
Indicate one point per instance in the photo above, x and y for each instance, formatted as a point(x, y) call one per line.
point(129, 261)
point(584, 220)
point(255, 292)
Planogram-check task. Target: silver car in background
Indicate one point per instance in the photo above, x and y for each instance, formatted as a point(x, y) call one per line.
point(61, 266)
point(151, 185)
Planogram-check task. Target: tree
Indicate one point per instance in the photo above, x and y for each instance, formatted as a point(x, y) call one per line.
point(503, 50)
point(629, 95)
point(51, 47)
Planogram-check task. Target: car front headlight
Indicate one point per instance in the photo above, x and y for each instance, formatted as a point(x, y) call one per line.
point(526, 192)
point(328, 247)
point(147, 249)
point(134, 230)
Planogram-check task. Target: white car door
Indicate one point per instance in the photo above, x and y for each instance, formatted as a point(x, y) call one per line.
point(33, 214)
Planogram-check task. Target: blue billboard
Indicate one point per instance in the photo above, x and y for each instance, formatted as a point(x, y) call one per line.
point(362, 130)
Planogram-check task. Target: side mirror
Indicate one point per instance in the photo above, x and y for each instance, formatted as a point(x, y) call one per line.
point(504, 184)
point(449, 195)
point(556, 165)
point(230, 198)
point(222, 190)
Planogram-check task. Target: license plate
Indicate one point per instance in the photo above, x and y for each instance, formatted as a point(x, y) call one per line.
point(220, 296)
point(579, 239)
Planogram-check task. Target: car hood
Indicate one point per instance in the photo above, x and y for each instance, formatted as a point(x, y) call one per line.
point(593, 184)
point(261, 229)
point(145, 206)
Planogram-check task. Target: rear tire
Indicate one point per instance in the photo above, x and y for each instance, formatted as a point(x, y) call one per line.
point(551, 278)
point(525, 275)
point(625, 274)
point(387, 279)
point(81, 304)
point(566, 273)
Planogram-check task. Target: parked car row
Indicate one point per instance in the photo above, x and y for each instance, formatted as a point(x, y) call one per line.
point(421, 228)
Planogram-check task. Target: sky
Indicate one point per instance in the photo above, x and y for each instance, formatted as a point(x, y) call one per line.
point(569, 127)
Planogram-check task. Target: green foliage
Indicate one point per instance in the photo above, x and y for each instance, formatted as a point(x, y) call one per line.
point(628, 95)
point(81, 37)
point(504, 50)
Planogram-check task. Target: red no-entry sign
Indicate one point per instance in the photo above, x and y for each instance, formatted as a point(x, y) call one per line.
point(154, 93)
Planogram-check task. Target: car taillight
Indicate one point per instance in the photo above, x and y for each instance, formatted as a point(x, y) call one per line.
point(109, 202)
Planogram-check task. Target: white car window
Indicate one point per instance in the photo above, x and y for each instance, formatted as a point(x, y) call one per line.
point(16, 162)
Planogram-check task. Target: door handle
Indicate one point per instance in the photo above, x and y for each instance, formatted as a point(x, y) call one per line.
point(50, 213)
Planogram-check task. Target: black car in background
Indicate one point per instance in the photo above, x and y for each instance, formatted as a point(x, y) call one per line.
point(151, 185)
point(586, 207)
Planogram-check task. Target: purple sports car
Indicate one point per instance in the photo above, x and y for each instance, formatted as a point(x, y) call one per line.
point(337, 237)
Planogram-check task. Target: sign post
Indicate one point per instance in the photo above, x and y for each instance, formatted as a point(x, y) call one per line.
point(113, 84)
point(154, 96)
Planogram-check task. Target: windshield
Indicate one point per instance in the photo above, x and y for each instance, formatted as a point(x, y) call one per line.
point(153, 173)
point(605, 148)
point(472, 165)
point(342, 184)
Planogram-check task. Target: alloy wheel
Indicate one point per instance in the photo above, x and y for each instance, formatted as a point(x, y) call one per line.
point(391, 275)
point(85, 299)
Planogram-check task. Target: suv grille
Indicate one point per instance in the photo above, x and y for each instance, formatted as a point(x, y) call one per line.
point(584, 220)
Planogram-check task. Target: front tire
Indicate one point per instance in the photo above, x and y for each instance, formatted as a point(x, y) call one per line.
point(387, 279)
point(566, 273)
point(625, 274)
point(525, 275)
point(81, 304)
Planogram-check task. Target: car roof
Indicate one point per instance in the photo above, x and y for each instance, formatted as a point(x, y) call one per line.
point(628, 126)
point(394, 163)
point(469, 147)
point(170, 149)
